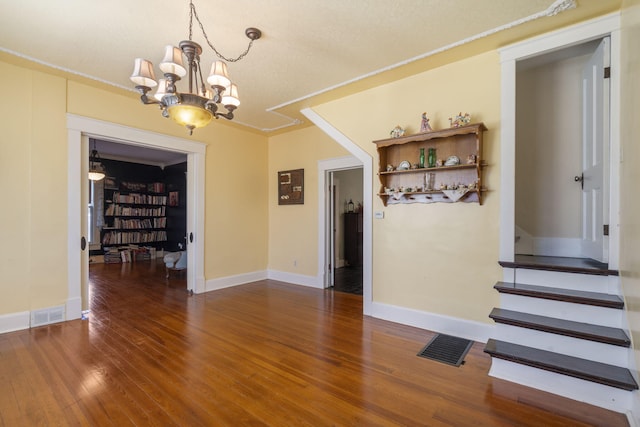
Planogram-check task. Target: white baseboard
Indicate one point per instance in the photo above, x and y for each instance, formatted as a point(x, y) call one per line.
point(15, 321)
point(556, 246)
point(467, 329)
point(240, 279)
point(296, 279)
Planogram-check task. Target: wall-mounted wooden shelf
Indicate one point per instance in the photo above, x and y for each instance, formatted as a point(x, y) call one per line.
point(411, 186)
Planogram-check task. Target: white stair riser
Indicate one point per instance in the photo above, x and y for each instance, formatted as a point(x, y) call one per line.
point(584, 349)
point(573, 388)
point(564, 310)
point(582, 282)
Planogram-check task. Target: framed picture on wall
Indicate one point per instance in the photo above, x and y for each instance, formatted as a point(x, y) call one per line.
point(291, 187)
point(173, 198)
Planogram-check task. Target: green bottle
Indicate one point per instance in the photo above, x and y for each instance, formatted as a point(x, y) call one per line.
point(432, 157)
point(421, 163)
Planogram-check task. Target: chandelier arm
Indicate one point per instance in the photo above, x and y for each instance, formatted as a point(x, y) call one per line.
point(252, 33)
point(143, 95)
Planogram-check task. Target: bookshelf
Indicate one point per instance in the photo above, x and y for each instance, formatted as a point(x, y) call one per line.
point(135, 214)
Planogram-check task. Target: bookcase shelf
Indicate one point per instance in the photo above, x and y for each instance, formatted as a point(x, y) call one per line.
point(135, 214)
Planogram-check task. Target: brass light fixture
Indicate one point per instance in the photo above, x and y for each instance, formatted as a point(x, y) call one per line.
point(96, 170)
point(195, 108)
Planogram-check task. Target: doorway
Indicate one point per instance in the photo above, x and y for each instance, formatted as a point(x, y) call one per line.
point(137, 212)
point(577, 41)
point(80, 129)
point(553, 206)
point(347, 212)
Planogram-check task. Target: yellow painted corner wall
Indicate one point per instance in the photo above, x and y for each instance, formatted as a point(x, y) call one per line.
point(293, 229)
point(438, 258)
point(33, 185)
point(236, 204)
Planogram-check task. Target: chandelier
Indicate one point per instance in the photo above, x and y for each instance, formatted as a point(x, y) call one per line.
point(96, 170)
point(197, 107)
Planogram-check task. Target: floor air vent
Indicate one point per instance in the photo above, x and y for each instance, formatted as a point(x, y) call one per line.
point(446, 349)
point(47, 316)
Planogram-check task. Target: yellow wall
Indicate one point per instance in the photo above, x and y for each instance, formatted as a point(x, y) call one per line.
point(236, 204)
point(630, 173)
point(33, 184)
point(293, 229)
point(439, 258)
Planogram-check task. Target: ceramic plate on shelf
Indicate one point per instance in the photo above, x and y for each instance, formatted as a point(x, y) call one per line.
point(452, 161)
point(404, 165)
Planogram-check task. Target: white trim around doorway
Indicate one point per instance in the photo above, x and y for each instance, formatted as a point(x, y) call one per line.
point(366, 161)
point(608, 25)
point(79, 127)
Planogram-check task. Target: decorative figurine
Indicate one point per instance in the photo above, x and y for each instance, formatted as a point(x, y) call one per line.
point(460, 120)
point(396, 132)
point(424, 125)
point(471, 159)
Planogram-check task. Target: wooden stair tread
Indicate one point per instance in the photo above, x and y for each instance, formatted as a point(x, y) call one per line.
point(560, 294)
point(597, 333)
point(560, 264)
point(601, 373)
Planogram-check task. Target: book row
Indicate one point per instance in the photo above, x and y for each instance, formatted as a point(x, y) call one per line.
point(140, 199)
point(118, 210)
point(125, 237)
point(140, 223)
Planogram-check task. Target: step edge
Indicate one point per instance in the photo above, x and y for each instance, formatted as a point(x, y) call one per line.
point(560, 269)
point(593, 300)
point(626, 385)
point(625, 342)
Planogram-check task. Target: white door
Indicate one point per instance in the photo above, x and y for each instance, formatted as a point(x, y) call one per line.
point(595, 154)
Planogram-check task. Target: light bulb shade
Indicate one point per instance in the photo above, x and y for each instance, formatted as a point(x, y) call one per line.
point(172, 62)
point(143, 73)
point(162, 89)
point(219, 75)
point(230, 96)
point(96, 171)
point(96, 176)
point(189, 110)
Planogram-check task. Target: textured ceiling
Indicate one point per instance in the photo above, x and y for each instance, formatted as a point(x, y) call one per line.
point(309, 47)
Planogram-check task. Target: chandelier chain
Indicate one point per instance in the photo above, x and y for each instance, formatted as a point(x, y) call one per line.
point(192, 14)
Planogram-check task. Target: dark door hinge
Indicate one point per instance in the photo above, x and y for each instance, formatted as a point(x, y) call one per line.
point(607, 72)
point(606, 229)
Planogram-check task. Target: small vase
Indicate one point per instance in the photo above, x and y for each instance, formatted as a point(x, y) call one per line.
point(421, 162)
point(432, 158)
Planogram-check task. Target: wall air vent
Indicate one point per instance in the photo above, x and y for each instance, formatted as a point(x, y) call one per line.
point(47, 316)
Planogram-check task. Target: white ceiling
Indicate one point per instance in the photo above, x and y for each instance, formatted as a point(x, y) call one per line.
point(308, 47)
point(136, 154)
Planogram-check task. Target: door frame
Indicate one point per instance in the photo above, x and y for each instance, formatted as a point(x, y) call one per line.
point(608, 25)
point(326, 168)
point(79, 129)
point(366, 161)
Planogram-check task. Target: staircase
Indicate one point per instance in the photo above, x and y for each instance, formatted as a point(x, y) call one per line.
point(561, 327)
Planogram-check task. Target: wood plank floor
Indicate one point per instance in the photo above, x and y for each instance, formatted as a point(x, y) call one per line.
point(262, 354)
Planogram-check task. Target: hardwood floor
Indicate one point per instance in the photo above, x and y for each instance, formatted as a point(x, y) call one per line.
point(265, 353)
